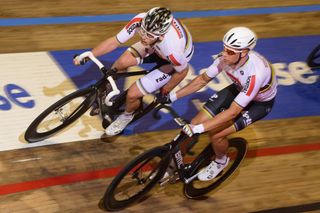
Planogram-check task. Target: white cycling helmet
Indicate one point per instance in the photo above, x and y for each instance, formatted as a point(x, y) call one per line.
point(157, 21)
point(240, 38)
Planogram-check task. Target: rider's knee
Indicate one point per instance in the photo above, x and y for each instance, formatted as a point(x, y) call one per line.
point(131, 95)
point(125, 61)
point(215, 139)
point(134, 93)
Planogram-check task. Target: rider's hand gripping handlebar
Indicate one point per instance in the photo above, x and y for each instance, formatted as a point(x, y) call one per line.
point(115, 91)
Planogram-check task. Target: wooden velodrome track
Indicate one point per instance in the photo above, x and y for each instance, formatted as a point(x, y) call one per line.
point(281, 170)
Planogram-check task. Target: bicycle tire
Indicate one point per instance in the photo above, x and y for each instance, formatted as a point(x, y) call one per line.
point(109, 201)
point(313, 59)
point(191, 191)
point(32, 135)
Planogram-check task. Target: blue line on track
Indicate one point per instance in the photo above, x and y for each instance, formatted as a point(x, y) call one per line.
point(127, 17)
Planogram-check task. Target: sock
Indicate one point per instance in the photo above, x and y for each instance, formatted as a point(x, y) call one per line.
point(127, 115)
point(221, 160)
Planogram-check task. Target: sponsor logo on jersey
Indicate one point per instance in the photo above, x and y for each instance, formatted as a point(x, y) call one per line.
point(214, 96)
point(248, 87)
point(164, 76)
point(133, 24)
point(177, 29)
point(246, 118)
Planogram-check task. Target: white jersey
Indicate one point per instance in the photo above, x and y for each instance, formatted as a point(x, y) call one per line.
point(176, 46)
point(255, 79)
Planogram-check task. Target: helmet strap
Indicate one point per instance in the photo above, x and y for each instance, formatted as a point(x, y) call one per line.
point(239, 59)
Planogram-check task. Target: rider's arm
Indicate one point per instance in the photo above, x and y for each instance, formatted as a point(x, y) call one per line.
point(246, 95)
point(195, 85)
point(176, 78)
point(106, 46)
point(123, 36)
point(223, 117)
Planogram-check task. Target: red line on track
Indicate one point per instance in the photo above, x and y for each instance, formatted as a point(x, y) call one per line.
point(111, 172)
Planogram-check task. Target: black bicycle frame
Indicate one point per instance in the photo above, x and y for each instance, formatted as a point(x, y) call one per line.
point(175, 152)
point(119, 100)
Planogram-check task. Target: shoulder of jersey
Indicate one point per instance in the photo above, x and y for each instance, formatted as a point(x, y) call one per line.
point(135, 21)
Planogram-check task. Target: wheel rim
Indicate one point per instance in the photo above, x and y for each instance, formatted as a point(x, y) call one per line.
point(136, 179)
point(236, 152)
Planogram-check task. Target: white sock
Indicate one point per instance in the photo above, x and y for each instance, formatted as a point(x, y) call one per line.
point(127, 115)
point(221, 160)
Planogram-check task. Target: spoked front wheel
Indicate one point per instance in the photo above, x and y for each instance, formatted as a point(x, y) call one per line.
point(236, 151)
point(136, 179)
point(60, 114)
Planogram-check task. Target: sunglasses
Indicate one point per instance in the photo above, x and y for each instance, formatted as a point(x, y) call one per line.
point(144, 34)
point(230, 52)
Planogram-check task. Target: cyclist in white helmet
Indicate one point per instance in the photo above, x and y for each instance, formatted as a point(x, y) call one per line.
point(164, 41)
point(248, 99)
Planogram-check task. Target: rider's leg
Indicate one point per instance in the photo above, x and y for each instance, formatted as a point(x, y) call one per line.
point(145, 85)
point(133, 99)
point(127, 59)
point(220, 145)
point(220, 142)
point(131, 57)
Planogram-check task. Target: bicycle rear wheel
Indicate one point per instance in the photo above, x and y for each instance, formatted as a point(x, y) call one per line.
point(60, 114)
point(136, 179)
point(236, 151)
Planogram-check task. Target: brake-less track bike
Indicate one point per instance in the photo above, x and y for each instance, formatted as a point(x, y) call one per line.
point(139, 176)
point(103, 93)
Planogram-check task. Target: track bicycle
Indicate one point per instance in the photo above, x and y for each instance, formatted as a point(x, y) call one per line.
point(104, 93)
point(145, 171)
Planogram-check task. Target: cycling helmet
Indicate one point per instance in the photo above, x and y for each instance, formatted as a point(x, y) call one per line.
point(157, 21)
point(240, 38)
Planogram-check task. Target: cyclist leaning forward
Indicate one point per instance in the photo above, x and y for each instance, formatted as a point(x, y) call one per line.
point(248, 99)
point(165, 41)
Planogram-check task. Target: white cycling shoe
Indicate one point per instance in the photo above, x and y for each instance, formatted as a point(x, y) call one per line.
point(212, 170)
point(118, 125)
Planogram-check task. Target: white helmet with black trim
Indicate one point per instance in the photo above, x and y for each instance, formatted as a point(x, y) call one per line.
point(157, 21)
point(240, 38)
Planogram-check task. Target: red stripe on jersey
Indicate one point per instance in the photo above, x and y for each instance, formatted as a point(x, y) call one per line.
point(135, 20)
point(252, 83)
point(173, 60)
point(233, 78)
point(177, 30)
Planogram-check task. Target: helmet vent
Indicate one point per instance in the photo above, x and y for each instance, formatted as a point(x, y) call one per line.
point(230, 37)
point(233, 41)
point(251, 41)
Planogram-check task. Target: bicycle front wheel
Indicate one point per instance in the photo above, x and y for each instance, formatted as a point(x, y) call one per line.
point(136, 179)
point(60, 114)
point(236, 151)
